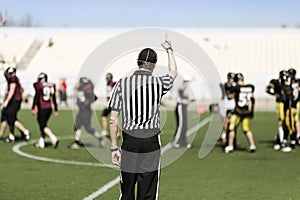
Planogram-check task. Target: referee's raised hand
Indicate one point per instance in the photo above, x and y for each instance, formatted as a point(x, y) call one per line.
point(167, 45)
point(172, 63)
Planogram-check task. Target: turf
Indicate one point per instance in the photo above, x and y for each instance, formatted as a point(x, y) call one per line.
point(266, 174)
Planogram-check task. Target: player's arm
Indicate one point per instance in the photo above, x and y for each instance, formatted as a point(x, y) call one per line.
point(171, 59)
point(12, 89)
point(222, 90)
point(114, 121)
point(35, 101)
point(54, 102)
point(270, 89)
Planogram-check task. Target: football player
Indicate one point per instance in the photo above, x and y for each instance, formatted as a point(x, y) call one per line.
point(296, 82)
point(243, 112)
point(85, 97)
point(109, 87)
point(229, 102)
point(291, 91)
point(42, 106)
point(275, 87)
point(12, 104)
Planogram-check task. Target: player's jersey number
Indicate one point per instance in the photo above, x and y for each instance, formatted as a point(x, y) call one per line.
point(47, 93)
point(244, 99)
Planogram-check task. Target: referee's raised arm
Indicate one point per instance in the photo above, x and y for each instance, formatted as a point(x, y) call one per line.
point(172, 63)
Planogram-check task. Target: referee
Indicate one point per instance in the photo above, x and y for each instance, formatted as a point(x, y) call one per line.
point(138, 98)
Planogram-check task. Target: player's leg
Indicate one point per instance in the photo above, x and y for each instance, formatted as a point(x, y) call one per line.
point(87, 115)
point(280, 116)
point(2, 128)
point(12, 110)
point(291, 127)
point(298, 121)
point(249, 134)
point(76, 144)
point(3, 122)
point(234, 122)
point(179, 127)
point(43, 117)
point(22, 129)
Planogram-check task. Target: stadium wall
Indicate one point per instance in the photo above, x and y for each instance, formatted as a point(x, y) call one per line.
point(256, 52)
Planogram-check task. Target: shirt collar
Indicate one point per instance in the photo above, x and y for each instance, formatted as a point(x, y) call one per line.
point(142, 72)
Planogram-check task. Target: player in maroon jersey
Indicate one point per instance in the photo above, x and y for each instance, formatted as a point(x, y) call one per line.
point(85, 97)
point(12, 103)
point(109, 87)
point(42, 105)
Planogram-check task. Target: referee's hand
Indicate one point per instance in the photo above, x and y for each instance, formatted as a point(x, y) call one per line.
point(116, 157)
point(167, 45)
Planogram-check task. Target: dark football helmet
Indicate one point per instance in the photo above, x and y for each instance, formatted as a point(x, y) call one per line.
point(292, 72)
point(43, 77)
point(230, 75)
point(238, 77)
point(283, 74)
point(10, 70)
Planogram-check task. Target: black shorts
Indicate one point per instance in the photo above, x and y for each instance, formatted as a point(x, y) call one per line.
point(84, 119)
point(106, 112)
point(12, 110)
point(43, 117)
point(3, 115)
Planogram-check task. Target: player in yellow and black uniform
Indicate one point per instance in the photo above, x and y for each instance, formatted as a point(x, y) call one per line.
point(291, 91)
point(295, 83)
point(275, 88)
point(243, 112)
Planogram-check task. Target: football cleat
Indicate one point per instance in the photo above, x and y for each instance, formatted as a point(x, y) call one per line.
point(252, 149)
point(74, 145)
point(27, 135)
point(287, 149)
point(55, 144)
point(228, 149)
point(41, 143)
point(277, 147)
point(10, 138)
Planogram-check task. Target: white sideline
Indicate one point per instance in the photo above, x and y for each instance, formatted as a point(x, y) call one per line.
point(16, 149)
point(114, 182)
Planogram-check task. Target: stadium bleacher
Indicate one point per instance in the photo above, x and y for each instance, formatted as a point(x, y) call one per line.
point(257, 53)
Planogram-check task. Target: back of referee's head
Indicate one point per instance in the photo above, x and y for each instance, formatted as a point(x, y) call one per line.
point(147, 59)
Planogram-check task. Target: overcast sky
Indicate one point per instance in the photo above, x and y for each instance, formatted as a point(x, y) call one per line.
point(156, 13)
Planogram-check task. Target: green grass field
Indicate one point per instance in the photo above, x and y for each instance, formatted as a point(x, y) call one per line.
point(266, 174)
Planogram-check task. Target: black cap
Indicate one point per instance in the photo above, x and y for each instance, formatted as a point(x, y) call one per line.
point(148, 55)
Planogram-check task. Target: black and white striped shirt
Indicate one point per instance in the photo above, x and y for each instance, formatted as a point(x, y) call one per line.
point(138, 98)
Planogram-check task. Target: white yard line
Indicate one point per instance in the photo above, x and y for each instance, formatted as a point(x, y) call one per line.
point(16, 149)
point(114, 182)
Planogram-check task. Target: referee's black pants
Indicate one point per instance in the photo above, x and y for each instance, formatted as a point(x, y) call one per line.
point(140, 164)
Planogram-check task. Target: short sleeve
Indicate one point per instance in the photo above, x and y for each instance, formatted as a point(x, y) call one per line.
point(167, 83)
point(115, 102)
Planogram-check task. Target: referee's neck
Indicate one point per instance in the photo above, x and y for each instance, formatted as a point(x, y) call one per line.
point(146, 70)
